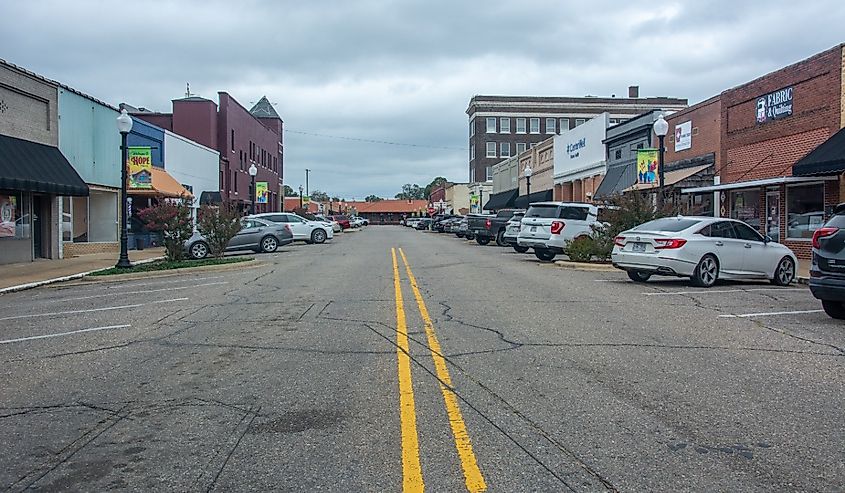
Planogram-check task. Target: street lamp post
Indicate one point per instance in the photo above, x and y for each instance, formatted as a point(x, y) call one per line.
point(528, 172)
point(300, 196)
point(252, 172)
point(661, 128)
point(124, 126)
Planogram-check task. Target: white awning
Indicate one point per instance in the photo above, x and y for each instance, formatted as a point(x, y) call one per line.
point(759, 183)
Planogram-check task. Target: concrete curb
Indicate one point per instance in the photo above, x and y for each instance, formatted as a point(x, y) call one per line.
point(565, 264)
point(71, 277)
point(249, 264)
point(803, 280)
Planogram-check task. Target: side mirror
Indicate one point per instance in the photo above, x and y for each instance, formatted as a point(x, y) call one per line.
point(767, 239)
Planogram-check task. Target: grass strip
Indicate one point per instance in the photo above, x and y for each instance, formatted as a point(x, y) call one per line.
point(170, 265)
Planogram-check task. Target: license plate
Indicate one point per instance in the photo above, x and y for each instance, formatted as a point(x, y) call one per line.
point(533, 228)
point(638, 247)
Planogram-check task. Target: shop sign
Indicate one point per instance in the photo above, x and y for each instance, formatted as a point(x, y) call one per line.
point(261, 192)
point(683, 136)
point(580, 147)
point(140, 168)
point(775, 105)
point(573, 148)
point(646, 165)
point(7, 215)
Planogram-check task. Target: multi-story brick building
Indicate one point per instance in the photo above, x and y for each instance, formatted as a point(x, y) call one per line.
point(243, 137)
point(767, 126)
point(505, 126)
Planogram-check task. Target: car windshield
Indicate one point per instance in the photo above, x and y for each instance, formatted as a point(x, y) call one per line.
point(542, 211)
point(668, 224)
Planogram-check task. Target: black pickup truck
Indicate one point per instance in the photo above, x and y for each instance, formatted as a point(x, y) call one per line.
point(487, 227)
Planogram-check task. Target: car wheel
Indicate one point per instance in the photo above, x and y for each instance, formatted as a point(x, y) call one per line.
point(198, 250)
point(482, 240)
point(459, 235)
point(785, 272)
point(544, 255)
point(834, 309)
point(638, 276)
point(520, 249)
point(318, 236)
point(269, 244)
point(470, 237)
point(500, 239)
point(706, 272)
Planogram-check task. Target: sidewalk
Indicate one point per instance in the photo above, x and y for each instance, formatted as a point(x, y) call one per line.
point(14, 277)
point(803, 271)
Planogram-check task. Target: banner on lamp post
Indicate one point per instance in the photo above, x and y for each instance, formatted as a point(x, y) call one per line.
point(140, 168)
point(646, 166)
point(261, 192)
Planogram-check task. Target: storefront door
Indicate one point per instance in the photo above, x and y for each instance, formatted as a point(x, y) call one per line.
point(773, 215)
point(37, 236)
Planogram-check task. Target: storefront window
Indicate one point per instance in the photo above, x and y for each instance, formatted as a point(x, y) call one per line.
point(700, 205)
point(804, 210)
point(745, 206)
point(14, 220)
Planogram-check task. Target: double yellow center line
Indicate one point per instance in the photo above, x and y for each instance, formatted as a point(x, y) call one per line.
point(411, 469)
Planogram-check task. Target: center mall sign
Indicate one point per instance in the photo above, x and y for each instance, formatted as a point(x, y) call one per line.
point(775, 105)
point(573, 148)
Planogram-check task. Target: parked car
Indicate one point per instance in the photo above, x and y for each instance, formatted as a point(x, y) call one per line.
point(342, 220)
point(357, 222)
point(335, 225)
point(827, 270)
point(256, 234)
point(705, 249)
point(423, 223)
point(302, 229)
point(512, 228)
point(547, 226)
point(438, 222)
point(451, 225)
point(488, 227)
point(410, 222)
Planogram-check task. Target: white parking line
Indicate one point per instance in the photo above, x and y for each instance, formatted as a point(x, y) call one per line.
point(46, 336)
point(107, 308)
point(119, 293)
point(767, 314)
point(716, 291)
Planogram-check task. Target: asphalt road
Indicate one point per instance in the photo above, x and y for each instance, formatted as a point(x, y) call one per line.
point(495, 372)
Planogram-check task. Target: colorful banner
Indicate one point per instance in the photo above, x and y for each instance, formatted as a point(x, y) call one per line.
point(7, 215)
point(140, 168)
point(646, 165)
point(262, 193)
point(306, 200)
point(473, 200)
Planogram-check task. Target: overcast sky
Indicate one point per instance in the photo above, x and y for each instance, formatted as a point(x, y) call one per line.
point(403, 71)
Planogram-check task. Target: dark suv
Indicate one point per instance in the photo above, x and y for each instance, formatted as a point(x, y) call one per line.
point(827, 272)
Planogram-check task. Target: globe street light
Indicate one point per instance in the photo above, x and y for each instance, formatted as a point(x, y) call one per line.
point(252, 172)
point(528, 172)
point(661, 128)
point(124, 126)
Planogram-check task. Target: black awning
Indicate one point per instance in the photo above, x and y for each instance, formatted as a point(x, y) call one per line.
point(31, 167)
point(617, 179)
point(211, 198)
point(501, 200)
point(826, 159)
point(523, 201)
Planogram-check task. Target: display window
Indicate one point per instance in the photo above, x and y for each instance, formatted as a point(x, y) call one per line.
point(15, 220)
point(745, 206)
point(804, 210)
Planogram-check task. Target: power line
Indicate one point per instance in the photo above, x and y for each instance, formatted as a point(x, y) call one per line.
point(371, 141)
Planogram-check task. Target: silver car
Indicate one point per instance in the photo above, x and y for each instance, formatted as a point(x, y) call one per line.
point(512, 232)
point(255, 234)
point(301, 228)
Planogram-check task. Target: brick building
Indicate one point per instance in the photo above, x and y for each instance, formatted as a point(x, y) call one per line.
point(243, 137)
point(505, 126)
point(767, 126)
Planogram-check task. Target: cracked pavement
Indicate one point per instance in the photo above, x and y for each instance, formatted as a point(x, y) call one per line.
point(283, 377)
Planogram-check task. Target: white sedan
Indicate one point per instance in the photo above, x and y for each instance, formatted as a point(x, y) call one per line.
point(302, 229)
point(705, 249)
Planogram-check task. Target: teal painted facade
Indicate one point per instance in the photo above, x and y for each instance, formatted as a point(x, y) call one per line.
point(89, 139)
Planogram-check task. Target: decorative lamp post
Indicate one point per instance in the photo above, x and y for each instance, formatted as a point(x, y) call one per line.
point(528, 172)
point(300, 196)
point(124, 126)
point(661, 128)
point(252, 172)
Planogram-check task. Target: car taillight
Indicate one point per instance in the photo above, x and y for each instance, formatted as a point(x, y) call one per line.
point(823, 233)
point(619, 241)
point(487, 224)
point(669, 244)
point(557, 227)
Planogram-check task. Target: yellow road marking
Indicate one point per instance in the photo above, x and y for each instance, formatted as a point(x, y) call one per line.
point(411, 471)
point(472, 474)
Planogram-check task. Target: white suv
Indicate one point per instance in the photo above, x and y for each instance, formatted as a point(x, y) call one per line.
point(302, 229)
point(548, 225)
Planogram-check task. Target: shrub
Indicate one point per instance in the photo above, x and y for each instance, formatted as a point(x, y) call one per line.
point(173, 220)
point(580, 249)
point(218, 225)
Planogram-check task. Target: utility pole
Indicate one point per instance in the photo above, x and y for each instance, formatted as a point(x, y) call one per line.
point(307, 192)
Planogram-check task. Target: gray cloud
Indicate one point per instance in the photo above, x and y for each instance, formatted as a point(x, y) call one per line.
point(403, 71)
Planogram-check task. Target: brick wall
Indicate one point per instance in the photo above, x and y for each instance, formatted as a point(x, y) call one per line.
point(541, 158)
point(769, 147)
point(28, 107)
point(76, 249)
point(706, 118)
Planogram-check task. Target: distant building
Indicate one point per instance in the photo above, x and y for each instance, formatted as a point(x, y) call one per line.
point(388, 211)
point(504, 126)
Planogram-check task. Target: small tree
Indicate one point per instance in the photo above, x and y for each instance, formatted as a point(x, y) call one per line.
point(173, 220)
point(218, 225)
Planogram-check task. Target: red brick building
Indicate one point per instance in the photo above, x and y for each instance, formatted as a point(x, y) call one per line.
point(243, 137)
point(388, 211)
point(767, 126)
